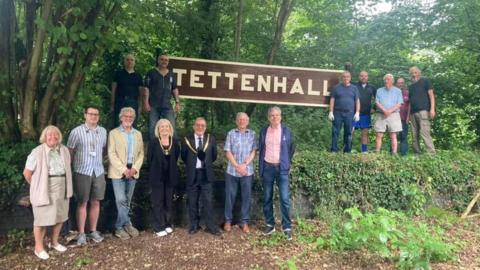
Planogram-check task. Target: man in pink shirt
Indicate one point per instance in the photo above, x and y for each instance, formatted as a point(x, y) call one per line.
point(276, 149)
point(404, 116)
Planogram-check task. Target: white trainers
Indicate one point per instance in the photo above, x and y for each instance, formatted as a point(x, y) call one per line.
point(161, 233)
point(59, 247)
point(42, 254)
point(169, 229)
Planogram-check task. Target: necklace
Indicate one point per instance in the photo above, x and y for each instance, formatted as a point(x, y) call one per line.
point(166, 150)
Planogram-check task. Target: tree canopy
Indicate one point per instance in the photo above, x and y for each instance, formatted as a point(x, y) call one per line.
point(62, 54)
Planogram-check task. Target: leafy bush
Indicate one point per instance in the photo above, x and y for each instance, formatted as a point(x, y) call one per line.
point(12, 162)
point(16, 239)
point(390, 234)
point(338, 181)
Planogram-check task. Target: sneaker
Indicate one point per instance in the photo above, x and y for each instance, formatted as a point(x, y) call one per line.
point(95, 236)
point(81, 239)
point(59, 247)
point(42, 255)
point(161, 233)
point(269, 230)
point(122, 234)
point(131, 230)
point(169, 229)
point(288, 234)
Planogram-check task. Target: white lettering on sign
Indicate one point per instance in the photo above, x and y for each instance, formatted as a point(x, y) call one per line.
point(247, 82)
point(195, 78)
point(246, 78)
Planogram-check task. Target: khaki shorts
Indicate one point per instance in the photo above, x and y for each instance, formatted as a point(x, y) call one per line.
point(88, 187)
point(393, 123)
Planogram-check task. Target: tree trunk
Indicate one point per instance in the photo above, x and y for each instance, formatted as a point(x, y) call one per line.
point(7, 69)
point(30, 14)
point(238, 30)
point(31, 87)
point(283, 14)
point(282, 18)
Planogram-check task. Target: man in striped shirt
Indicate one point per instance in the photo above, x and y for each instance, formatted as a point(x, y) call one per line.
point(87, 143)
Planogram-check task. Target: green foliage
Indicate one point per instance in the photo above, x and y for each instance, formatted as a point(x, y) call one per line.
point(16, 239)
point(336, 181)
point(275, 239)
point(410, 244)
point(12, 162)
point(83, 260)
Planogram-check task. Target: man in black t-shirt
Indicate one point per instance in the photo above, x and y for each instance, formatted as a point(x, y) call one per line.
point(161, 85)
point(126, 89)
point(422, 110)
point(367, 94)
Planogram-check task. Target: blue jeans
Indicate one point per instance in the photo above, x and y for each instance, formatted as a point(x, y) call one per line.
point(231, 187)
point(345, 119)
point(123, 190)
point(403, 138)
point(270, 174)
point(157, 114)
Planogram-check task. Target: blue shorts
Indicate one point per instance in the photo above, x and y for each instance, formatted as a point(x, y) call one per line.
point(364, 122)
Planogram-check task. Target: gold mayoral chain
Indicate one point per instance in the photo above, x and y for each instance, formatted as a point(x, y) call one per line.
point(205, 146)
point(170, 143)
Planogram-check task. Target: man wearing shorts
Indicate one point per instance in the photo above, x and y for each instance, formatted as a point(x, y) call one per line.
point(388, 99)
point(87, 143)
point(367, 94)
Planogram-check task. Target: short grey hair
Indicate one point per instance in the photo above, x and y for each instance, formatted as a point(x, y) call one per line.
point(126, 110)
point(388, 75)
point(240, 114)
point(415, 67)
point(129, 54)
point(274, 108)
point(43, 135)
point(200, 119)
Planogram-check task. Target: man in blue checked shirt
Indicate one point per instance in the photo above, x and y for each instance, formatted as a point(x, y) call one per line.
point(87, 144)
point(240, 147)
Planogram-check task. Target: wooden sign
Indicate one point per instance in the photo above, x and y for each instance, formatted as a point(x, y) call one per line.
point(253, 83)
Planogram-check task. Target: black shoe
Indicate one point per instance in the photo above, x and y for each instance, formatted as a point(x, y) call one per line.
point(193, 230)
point(269, 230)
point(214, 232)
point(288, 234)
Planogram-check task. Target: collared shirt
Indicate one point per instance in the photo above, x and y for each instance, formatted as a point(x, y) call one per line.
point(88, 145)
point(272, 144)
point(55, 162)
point(241, 145)
point(199, 163)
point(404, 107)
point(389, 97)
point(345, 97)
point(130, 143)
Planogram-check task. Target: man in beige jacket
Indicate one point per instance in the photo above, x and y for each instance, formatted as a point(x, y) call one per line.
point(125, 154)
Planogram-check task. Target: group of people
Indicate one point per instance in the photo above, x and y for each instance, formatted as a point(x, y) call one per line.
point(352, 106)
point(57, 172)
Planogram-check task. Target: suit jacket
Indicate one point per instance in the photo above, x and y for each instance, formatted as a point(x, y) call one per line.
point(157, 160)
point(117, 153)
point(190, 158)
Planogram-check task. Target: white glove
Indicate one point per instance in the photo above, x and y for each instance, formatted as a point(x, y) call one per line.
point(356, 117)
point(330, 116)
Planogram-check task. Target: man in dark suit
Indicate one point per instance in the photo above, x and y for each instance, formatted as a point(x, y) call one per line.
point(199, 151)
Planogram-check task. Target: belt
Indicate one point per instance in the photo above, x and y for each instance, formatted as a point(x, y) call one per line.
point(343, 111)
point(272, 164)
point(56, 175)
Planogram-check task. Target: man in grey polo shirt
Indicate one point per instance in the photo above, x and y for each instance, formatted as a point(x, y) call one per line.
point(87, 143)
point(389, 99)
